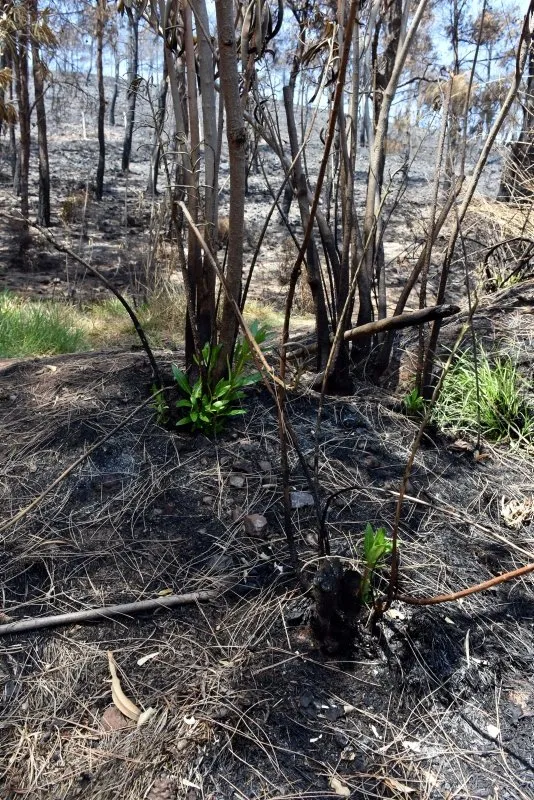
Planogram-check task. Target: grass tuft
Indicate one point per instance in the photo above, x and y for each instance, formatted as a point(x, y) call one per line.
point(499, 410)
point(37, 328)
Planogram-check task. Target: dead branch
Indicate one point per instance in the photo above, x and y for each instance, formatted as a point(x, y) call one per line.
point(480, 587)
point(406, 320)
point(122, 609)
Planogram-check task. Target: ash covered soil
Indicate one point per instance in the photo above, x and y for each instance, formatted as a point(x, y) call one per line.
point(245, 702)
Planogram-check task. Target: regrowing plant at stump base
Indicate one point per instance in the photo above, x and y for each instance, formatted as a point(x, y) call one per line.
point(206, 405)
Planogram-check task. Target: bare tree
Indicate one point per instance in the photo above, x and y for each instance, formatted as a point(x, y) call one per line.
point(100, 24)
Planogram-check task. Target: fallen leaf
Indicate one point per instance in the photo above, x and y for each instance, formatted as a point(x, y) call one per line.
point(123, 703)
point(397, 786)
point(190, 721)
point(493, 731)
point(164, 592)
point(339, 787)
point(146, 658)
point(145, 716)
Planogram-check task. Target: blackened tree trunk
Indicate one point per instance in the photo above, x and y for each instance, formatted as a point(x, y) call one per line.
point(517, 180)
point(115, 94)
point(20, 62)
point(100, 22)
point(152, 185)
point(43, 214)
point(133, 67)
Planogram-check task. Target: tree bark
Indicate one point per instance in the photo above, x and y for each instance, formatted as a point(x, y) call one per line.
point(43, 214)
point(133, 68)
point(20, 59)
point(518, 171)
point(100, 22)
point(115, 94)
point(237, 141)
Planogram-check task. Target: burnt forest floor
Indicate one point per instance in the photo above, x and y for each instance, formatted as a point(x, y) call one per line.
point(245, 702)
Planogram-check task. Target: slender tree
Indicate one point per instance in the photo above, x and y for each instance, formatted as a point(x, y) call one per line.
point(39, 32)
point(133, 15)
point(100, 24)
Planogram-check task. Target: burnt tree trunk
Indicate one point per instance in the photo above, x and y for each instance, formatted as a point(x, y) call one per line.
point(100, 21)
point(517, 180)
point(43, 214)
point(152, 185)
point(114, 96)
point(133, 68)
point(20, 62)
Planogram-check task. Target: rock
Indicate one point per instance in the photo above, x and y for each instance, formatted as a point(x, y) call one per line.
point(237, 481)
point(300, 499)
point(242, 465)
point(264, 466)
point(255, 525)
point(113, 720)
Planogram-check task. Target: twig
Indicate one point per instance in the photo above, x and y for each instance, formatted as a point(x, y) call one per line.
point(480, 587)
point(89, 614)
point(35, 502)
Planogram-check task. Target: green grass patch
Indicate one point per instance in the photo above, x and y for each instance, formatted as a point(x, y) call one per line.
point(37, 328)
point(499, 409)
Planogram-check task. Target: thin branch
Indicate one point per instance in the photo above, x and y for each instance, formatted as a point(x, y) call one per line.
point(104, 612)
point(480, 587)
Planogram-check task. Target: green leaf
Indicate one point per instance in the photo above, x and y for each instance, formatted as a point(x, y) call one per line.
point(183, 403)
point(181, 379)
point(235, 412)
point(194, 416)
point(184, 421)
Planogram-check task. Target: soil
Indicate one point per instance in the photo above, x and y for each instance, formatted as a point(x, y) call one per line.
point(247, 703)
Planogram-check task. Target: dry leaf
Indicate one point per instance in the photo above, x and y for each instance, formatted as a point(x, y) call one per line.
point(145, 716)
point(493, 731)
point(123, 703)
point(164, 592)
point(397, 786)
point(339, 787)
point(144, 659)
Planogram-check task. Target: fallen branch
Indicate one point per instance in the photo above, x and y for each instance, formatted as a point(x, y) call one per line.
point(406, 320)
point(480, 587)
point(89, 614)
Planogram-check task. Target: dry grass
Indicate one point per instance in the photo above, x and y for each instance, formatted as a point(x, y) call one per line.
point(228, 681)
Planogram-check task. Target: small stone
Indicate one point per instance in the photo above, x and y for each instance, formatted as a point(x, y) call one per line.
point(242, 465)
point(113, 720)
point(237, 481)
point(206, 500)
point(255, 525)
point(300, 499)
point(265, 466)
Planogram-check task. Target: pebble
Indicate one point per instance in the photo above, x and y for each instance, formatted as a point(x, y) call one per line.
point(237, 481)
point(300, 499)
point(255, 525)
point(265, 466)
